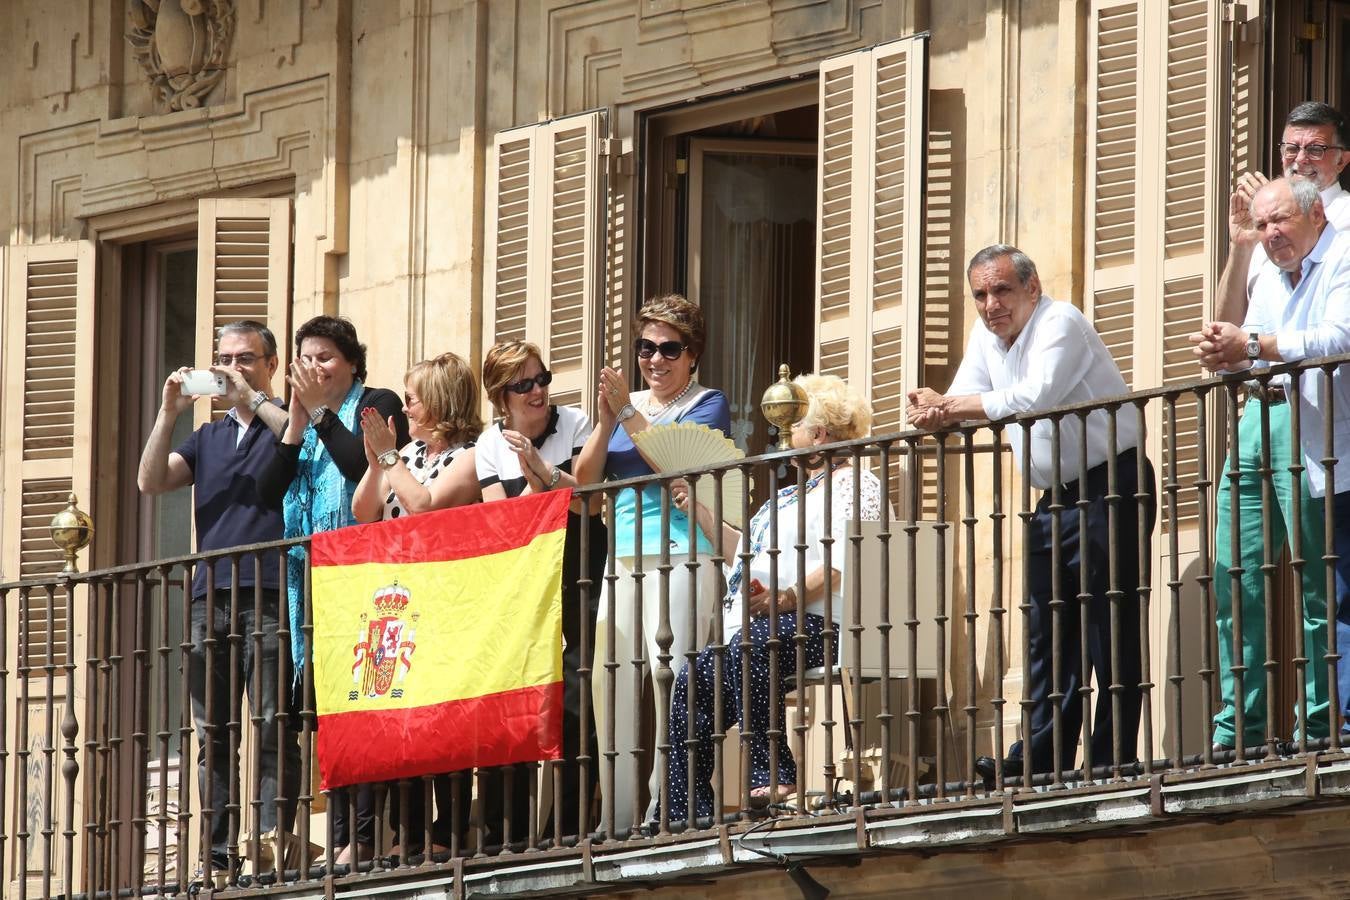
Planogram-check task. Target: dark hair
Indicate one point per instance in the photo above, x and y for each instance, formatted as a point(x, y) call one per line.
point(1314, 113)
point(343, 335)
point(250, 326)
point(681, 314)
point(1022, 263)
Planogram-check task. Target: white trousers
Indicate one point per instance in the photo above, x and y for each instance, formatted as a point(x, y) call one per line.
point(635, 637)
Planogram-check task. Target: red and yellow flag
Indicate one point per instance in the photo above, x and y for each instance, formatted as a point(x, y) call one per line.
point(438, 640)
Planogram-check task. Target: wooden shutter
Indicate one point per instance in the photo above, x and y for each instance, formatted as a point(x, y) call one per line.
point(49, 413)
point(1157, 184)
point(243, 272)
point(1112, 158)
point(869, 286)
point(545, 248)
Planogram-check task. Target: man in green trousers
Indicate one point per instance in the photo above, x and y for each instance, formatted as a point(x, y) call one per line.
point(1299, 308)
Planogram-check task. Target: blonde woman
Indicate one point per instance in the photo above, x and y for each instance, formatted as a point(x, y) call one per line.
point(434, 470)
point(835, 413)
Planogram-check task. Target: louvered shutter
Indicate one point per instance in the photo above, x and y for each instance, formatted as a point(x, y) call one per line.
point(870, 192)
point(49, 413)
point(1112, 158)
point(545, 248)
point(243, 272)
point(1154, 195)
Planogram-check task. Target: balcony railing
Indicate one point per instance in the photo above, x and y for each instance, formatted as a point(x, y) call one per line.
point(927, 670)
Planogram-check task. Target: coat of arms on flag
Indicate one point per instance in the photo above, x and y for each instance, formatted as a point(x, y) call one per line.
point(478, 589)
point(384, 644)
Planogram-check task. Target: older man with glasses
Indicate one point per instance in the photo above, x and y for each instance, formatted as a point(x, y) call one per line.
point(1312, 148)
point(221, 460)
point(1299, 309)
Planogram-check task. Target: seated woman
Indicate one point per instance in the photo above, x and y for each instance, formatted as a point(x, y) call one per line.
point(435, 470)
point(835, 413)
point(534, 448)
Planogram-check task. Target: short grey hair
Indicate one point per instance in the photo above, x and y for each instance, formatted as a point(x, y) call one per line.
point(1305, 194)
point(1022, 264)
point(251, 326)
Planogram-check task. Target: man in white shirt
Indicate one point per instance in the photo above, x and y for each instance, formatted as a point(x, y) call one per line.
point(1299, 309)
point(1313, 147)
point(1029, 354)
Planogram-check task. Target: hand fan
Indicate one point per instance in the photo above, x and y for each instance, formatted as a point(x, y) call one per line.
point(691, 445)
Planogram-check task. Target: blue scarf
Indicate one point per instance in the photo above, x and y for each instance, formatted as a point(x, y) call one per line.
point(318, 499)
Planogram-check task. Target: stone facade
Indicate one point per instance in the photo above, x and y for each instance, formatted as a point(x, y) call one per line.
point(377, 120)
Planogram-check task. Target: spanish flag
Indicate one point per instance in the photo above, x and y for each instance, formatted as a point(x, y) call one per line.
point(438, 640)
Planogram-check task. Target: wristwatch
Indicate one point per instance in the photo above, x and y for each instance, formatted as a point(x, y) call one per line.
point(554, 477)
point(1254, 345)
point(627, 412)
point(316, 414)
point(388, 459)
point(259, 398)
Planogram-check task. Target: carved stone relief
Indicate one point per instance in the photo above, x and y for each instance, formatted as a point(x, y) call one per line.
point(608, 51)
point(182, 46)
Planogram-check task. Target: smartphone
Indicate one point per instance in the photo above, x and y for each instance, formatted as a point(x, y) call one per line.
point(200, 382)
point(756, 586)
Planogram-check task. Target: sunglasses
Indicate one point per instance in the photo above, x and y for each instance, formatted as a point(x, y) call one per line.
point(525, 385)
point(669, 349)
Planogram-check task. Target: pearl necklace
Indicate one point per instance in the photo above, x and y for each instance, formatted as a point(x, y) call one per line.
point(651, 410)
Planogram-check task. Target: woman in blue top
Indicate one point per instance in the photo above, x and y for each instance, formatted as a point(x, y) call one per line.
point(670, 339)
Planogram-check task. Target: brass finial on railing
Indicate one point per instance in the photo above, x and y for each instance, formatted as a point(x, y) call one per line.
point(72, 530)
point(783, 404)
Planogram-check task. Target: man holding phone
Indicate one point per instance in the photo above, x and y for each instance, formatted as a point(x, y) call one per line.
point(221, 460)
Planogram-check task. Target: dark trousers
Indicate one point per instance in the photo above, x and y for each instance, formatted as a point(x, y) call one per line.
point(340, 814)
point(224, 662)
point(1085, 543)
point(756, 731)
point(452, 797)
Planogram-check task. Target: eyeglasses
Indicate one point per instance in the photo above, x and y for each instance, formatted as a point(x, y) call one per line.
point(525, 385)
point(1312, 151)
point(669, 349)
point(411, 400)
point(236, 359)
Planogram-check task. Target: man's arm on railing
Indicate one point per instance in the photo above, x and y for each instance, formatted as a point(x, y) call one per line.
point(161, 470)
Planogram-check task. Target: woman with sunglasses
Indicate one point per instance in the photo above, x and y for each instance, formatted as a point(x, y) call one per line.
point(670, 338)
point(533, 448)
point(319, 460)
point(435, 470)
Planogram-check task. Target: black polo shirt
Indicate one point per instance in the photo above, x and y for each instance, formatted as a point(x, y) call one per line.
point(228, 509)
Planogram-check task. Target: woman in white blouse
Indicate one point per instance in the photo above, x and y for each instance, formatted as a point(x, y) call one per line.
point(533, 448)
point(435, 470)
point(835, 413)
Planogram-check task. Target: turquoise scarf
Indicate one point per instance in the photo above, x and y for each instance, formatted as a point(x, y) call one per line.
point(319, 499)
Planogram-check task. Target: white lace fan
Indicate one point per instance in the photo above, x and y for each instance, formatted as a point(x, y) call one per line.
point(691, 445)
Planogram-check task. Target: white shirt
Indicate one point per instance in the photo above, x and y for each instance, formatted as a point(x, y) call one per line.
point(563, 438)
point(1335, 203)
point(841, 514)
point(1309, 321)
point(1057, 359)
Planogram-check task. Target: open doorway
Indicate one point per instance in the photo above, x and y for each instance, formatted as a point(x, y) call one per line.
point(731, 223)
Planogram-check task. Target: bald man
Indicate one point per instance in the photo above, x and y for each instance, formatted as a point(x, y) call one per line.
point(1299, 308)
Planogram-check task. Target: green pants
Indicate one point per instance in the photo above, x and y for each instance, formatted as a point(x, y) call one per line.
point(1252, 585)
